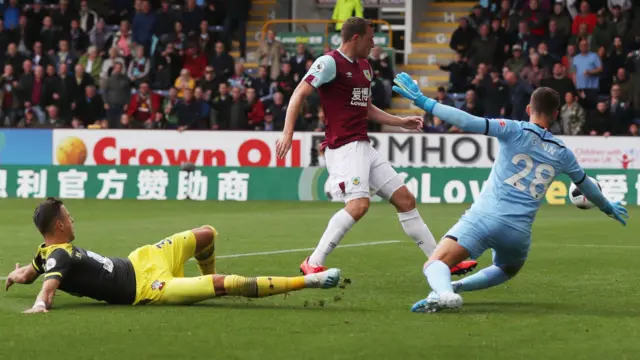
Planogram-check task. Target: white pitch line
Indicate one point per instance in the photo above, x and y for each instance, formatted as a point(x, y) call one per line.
point(3, 278)
point(305, 249)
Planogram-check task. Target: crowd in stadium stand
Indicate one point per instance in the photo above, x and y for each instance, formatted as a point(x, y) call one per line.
point(149, 64)
point(588, 51)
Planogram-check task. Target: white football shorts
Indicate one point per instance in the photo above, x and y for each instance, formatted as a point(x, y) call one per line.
point(357, 171)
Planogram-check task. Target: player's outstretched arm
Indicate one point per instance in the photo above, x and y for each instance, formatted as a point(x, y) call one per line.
point(406, 87)
point(383, 117)
point(614, 210)
point(45, 298)
point(21, 275)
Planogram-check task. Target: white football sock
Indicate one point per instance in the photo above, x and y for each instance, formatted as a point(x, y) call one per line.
point(338, 226)
point(415, 227)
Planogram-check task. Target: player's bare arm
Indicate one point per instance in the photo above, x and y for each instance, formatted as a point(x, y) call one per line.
point(302, 91)
point(21, 275)
point(382, 117)
point(45, 298)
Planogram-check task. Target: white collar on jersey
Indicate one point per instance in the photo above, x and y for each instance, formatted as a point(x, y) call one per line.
point(344, 56)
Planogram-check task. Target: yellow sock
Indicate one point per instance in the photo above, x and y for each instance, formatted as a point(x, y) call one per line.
point(261, 286)
point(207, 257)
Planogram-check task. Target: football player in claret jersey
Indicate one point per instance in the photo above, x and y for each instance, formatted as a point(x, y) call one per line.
point(152, 274)
point(529, 159)
point(343, 79)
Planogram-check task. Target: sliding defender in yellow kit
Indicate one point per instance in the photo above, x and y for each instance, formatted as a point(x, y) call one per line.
point(152, 274)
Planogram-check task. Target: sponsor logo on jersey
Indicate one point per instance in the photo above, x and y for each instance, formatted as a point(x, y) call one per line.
point(319, 66)
point(157, 285)
point(367, 74)
point(51, 263)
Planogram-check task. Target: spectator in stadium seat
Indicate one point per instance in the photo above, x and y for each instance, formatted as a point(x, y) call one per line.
point(214, 12)
point(286, 81)
point(556, 41)
point(269, 54)
point(496, 96)
point(116, 93)
point(165, 19)
point(299, 60)
point(619, 22)
point(255, 114)
point(143, 25)
point(520, 91)
point(170, 119)
point(603, 33)
point(30, 121)
point(31, 90)
point(483, 47)
point(143, 106)
point(209, 83)
point(238, 111)
point(435, 126)
point(236, 20)
point(58, 91)
point(481, 81)
point(517, 62)
point(380, 97)
point(524, 38)
point(268, 120)
point(14, 58)
point(619, 110)
point(123, 40)
point(279, 110)
point(49, 36)
point(505, 16)
point(11, 15)
point(125, 122)
point(168, 65)
point(81, 80)
point(53, 119)
point(206, 118)
point(462, 37)
point(502, 43)
point(25, 38)
point(536, 18)
point(100, 37)
point(78, 39)
point(478, 17)
point(559, 82)
point(623, 82)
point(587, 70)
point(178, 38)
point(89, 110)
point(533, 73)
point(222, 62)
point(9, 83)
point(192, 15)
point(92, 63)
point(585, 17)
point(459, 72)
point(139, 67)
point(221, 105)
point(617, 56)
point(64, 55)
point(108, 64)
point(195, 61)
point(183, 82)
point(471, 104)
point(205, 39)
point(63, 16)
point(88, 17)
point(240, 78)
point(35, 15)
point(633, 130)
point(598, 121)
point(38, 57)
point(572, 116)
point(187, 112)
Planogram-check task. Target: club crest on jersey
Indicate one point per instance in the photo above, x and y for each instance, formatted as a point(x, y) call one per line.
point(356, 181)
point(367, 74)
point(157, 285)
point(51, 263)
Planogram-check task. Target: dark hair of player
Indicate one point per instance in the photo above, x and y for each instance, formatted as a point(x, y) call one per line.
point(46, 214)
point(354, 26)
point(545, 102)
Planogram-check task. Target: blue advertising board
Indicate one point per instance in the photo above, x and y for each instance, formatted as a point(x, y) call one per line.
point(26, 146)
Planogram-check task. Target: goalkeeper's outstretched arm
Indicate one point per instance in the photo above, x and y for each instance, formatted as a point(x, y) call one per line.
point(453, 116)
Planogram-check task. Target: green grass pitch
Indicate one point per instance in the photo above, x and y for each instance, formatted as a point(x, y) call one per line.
point(577, 297)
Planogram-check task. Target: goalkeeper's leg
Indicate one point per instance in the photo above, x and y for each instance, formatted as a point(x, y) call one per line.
point(183, 291)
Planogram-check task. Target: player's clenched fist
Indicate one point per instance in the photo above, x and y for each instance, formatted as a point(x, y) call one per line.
point(413, 123)
point(283, 145)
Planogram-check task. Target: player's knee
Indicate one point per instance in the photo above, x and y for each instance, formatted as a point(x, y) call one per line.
point(204, 237)
point(357, 208)
point(403, 200)
point(511, 270)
